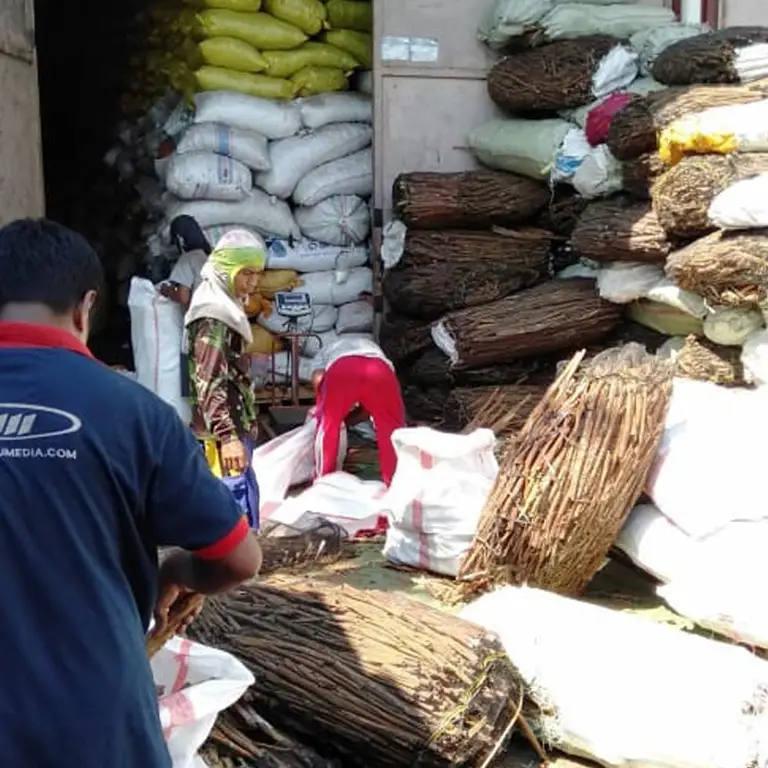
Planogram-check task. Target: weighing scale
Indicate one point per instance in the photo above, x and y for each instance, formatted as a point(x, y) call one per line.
point(292, 305)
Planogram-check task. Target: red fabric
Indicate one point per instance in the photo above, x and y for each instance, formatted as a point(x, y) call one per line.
point(600, 118)
point(40, 336)
point(228, 544)
point(350, 381)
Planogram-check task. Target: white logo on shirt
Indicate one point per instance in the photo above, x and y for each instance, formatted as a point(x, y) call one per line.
point(20, 421)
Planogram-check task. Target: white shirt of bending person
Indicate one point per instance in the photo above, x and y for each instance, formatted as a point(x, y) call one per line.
point(187, 269)
point(352, 346)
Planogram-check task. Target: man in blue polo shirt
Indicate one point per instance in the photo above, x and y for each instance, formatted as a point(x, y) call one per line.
point(95, 474)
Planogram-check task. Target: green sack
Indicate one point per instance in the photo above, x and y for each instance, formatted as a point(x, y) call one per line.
point(311, 54)
point(230, 53)
point(350, 14)
point(262, 86)
point(234, 5)
point(261, 30)
point(359, 44)
point(664, 319)
point(313, 80)
point(308, 15)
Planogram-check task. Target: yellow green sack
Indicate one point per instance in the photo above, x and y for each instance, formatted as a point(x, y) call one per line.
point(261, 30)
point(308, 15)
point(350, 14)
point(264, 343)
point(261, 86)
point(273, 281)
point(231, 53)
point(311, 54)
point(359, 44)
point(313, 80)
point(233, 5)
point(664, 318)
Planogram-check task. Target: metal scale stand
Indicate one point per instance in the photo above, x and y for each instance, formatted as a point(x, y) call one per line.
point(292, 305)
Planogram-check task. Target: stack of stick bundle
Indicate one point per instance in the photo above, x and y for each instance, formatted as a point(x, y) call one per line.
point(474, 242)
point(364, 677)
point(572, 474)
point(706, 275)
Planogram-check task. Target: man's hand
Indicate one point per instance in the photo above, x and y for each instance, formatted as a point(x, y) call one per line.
point(234, 457)
point(172, 593)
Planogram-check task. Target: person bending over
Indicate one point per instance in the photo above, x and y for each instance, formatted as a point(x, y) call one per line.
point(218, 334)
point(96, 473)
point(356, 380)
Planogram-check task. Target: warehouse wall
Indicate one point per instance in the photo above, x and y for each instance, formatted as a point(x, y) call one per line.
point(743, 13)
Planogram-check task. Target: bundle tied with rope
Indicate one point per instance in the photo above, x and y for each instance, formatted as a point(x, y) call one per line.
point(702, 360)
point(620, 229)
point(635, 128)
point(467, 200)
point(729, 269)
point(682, 196)
point(465, 406)
point(557, 315)
point(553, 77)
point(639, 175)
point(443, 271)
point(712, 57)
point(403, 338)
point(433, 369)
point(375, 677)
point(570, 477)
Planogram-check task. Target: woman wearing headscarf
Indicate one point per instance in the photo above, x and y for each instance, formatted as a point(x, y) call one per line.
point(193, 250)
point(218, 334)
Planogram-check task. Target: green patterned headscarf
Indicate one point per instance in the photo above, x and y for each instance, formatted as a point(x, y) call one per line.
point(238, 250)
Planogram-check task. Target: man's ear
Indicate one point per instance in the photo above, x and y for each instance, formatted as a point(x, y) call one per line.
point(83, 312)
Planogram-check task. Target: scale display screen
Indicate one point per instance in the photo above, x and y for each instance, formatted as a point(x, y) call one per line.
point(293, 303)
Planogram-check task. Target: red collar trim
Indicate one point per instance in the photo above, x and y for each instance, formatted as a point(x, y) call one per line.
point(26, 335)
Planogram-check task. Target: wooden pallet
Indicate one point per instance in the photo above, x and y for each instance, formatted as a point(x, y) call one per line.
point(282, 395)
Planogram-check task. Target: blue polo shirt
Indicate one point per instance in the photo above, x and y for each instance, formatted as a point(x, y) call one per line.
point(95, 474)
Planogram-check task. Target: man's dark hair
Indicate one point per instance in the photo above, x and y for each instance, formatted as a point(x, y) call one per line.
point(43, 262)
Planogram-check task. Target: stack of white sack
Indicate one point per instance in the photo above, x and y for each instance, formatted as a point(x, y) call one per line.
point(706, 531)
point(623, 691)
point(436, 497)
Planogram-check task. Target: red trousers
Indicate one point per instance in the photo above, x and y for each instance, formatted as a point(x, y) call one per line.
point(370, 383)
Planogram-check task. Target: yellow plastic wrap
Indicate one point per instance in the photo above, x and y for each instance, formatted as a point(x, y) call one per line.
point(359, 44)
point(688, 136)
point(275, 280)
point(311, 54)
point(308, 15)
point(313, 80)
point(665, 319)
point(261, 30)
point(350, 14)
point(264, 343)
point(231, 53)
point(258, 305)
point(261, 86)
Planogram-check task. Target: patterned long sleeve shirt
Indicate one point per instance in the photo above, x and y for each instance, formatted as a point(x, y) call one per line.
point(221, 390)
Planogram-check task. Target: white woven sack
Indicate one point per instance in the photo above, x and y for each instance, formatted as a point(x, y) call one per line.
point(340, 220)
point(622, 282)
point(311, 346)
point(649, 43)
point(574, 20)
point(292, 158)
point(732, 326)
point(321, 319)
point(355, 317)
point(338, 287)
point(511, 18)
point(616, 70)
point(267, 215)
point(312, 256)
point(742, 205)
point(206, 176)
point(273, 119)
point(351, 175)
point(317, 111)
point(526, 147)
point(249, 147)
